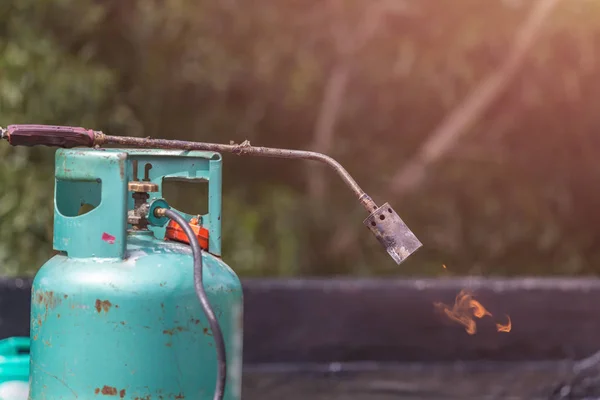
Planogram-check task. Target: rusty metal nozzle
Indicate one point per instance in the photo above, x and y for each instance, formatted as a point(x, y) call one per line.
point(392, 233)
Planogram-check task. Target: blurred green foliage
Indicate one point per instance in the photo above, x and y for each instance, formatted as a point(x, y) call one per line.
point(43, 79)
point(516, 196)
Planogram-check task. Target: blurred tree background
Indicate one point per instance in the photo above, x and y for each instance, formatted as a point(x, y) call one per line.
point(366, 82)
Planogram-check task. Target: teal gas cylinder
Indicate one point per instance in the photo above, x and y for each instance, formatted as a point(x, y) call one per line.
point(114, 314)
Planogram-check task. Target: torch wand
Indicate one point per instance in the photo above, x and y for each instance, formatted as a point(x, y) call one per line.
point(383, 221)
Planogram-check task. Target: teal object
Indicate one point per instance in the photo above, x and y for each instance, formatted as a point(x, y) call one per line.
point(14, 359)
point(14, 368)
point(115, 312)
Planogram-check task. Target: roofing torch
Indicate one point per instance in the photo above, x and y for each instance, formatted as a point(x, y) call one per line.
point(383, 221)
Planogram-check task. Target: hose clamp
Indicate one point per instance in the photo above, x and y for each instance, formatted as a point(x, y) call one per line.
point(153, 219)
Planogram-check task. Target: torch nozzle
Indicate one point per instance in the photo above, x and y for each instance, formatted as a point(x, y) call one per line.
point(392, 233)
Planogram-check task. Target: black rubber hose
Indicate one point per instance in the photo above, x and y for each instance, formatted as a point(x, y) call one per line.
point(208, 311)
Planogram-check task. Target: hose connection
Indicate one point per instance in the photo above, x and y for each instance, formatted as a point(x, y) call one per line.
point(160, 212)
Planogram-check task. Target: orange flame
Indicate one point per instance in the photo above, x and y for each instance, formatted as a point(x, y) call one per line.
point(478, 310)
point(504, 328)
point(466, 309)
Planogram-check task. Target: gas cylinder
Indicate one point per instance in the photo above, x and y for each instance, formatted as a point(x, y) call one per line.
point(116, 311)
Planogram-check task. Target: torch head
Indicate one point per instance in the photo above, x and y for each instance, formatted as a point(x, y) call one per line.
point(392, 233)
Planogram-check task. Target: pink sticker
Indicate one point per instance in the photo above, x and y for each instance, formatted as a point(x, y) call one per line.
point(108, 238)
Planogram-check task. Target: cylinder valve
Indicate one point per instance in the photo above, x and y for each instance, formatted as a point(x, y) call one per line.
point(141, 189)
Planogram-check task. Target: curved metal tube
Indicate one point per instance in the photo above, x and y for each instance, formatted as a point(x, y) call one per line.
point(243, 149)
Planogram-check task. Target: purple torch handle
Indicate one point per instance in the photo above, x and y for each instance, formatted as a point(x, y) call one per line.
point(46, 135)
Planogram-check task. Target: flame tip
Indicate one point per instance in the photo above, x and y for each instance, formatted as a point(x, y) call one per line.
point(466, 309)
point(505, 328)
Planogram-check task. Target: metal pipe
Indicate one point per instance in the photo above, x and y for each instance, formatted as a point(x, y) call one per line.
point(243, 149)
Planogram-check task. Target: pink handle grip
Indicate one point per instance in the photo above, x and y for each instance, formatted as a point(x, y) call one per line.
point(47, 135)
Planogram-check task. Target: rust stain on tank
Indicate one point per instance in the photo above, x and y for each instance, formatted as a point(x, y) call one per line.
point(122, 393)
point(173, 331)
point(122, 168)
point(47, 299)
point(39, 320)
point(97, 390)
point(109, 391)
point(103, 305)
